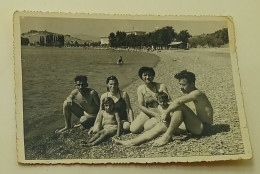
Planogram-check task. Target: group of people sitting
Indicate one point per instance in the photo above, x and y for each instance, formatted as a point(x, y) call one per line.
point(112, 114)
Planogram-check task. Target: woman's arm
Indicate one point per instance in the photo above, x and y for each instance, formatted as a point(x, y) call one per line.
point(98, 122)
point(130, 114)
point(118, 124)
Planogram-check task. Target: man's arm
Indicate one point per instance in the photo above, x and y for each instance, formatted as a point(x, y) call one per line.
point(71, 96)
point(192, 96)
point(95, 96)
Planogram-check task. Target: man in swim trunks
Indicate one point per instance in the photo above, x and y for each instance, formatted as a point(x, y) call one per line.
point(83, 102)
point(197, 118)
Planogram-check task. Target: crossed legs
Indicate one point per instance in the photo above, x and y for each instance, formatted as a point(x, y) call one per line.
point(184, 114)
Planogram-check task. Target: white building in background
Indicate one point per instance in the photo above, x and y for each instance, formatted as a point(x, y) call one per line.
point(137, 33)
point(104, 40)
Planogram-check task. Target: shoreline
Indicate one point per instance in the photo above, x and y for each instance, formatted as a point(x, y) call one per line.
point(175, 60)
point(213, 76)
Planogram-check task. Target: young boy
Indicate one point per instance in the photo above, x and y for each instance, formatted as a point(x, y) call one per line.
point(159, 128)
point(197, 118)
point(109, 121)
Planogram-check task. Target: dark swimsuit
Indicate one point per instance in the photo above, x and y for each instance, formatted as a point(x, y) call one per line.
point(120, 106)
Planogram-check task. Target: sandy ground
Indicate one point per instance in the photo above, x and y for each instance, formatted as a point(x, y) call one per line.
point(214, 76)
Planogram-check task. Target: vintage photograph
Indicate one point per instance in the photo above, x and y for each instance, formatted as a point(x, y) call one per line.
point(94, 88)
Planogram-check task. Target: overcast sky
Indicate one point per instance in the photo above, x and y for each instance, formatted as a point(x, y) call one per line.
point(102, 27)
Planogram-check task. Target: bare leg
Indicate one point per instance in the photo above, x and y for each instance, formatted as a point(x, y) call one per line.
point(137, 126)
point(95, 137)
point(104, 134)
point(125, 126)
point(186, 115)
point(176, 120)
point(67, 117)
point(157, 130)
point(149, 124)
point(67, 112)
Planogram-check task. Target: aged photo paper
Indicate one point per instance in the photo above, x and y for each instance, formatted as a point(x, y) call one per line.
point(129, 61)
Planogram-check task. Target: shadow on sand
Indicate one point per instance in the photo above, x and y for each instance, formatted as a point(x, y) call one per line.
point(213, 130)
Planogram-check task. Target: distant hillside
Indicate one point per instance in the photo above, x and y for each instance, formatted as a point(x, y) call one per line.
point(34, 36)
point(87, 37)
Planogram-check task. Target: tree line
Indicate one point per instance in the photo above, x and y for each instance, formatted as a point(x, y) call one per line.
point(158, 39)
point(215, 39)
point(56, 40)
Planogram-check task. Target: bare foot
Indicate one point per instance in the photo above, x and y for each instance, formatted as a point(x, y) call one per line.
point(162, 141)
point(62, 130)
point(83, 142)
point(120, 142)
point(77, 125)
point(87, 145)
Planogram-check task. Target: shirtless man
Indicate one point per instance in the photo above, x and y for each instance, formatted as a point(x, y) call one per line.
point(83, 102)
point(196, 119)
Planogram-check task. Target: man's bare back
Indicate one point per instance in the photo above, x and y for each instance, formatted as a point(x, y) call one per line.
point(203, 106)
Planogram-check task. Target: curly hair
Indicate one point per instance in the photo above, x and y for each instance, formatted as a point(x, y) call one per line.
point(146, 69)
point(189, 76)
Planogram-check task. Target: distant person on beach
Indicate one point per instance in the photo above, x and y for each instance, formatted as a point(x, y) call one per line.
point(159, 128)
point(83, 102)
point(193, 109)
point(120, 60)
point(122, 103)
point(146, 94)
point(108, 125)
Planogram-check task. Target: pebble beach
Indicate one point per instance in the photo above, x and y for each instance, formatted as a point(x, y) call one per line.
point(213, 70)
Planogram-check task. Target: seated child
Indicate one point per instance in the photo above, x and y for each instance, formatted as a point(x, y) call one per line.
point(159, 128)
point(109, 121)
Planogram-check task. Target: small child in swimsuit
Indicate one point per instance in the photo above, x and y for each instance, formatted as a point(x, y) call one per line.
point(158, 128)
point(163, 101)
point(109, 121)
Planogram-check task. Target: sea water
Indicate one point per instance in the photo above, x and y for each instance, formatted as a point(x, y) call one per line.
point(48, 78)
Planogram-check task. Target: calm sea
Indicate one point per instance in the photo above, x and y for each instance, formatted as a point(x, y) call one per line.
point(48, 78)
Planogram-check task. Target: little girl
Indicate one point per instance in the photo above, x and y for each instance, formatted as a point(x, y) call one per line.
point(108, 120)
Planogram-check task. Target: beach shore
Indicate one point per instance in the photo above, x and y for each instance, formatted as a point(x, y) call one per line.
point(213, 70)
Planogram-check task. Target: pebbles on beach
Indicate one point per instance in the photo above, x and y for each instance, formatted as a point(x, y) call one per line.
point(213, 71)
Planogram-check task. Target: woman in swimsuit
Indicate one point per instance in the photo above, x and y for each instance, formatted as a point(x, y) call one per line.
point(122, 103)
point(146, 94)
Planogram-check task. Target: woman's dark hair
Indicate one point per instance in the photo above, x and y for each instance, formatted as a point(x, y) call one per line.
point(189, 76)
point(146, 69)
point(107, 100)
point(112, 78)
